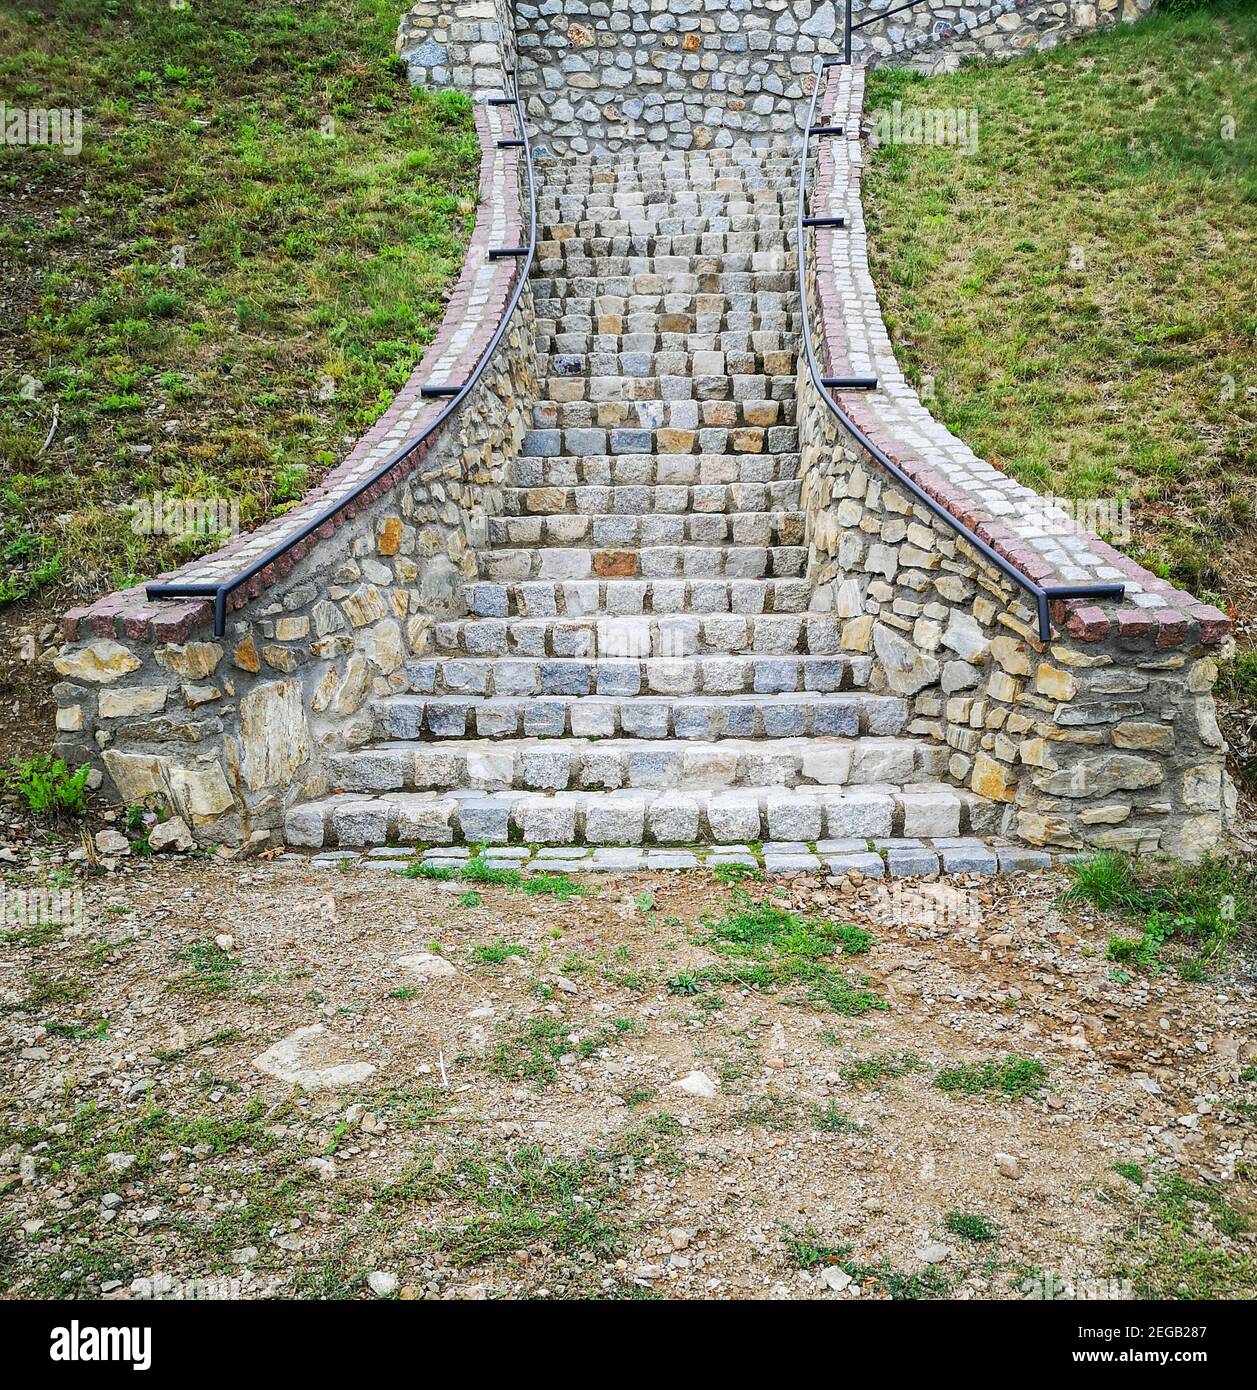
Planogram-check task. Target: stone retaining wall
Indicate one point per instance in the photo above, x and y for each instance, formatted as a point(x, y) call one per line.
point(229, 732)
point(599, 76)
point(1103, 737)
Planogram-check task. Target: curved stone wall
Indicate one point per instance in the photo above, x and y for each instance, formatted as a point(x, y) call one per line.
point(229, 731)
point(600, 76)
point(1103, 737)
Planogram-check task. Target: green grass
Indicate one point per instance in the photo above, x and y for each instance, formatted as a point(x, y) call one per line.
point(1189, 1241)
point(497, 953)
point(211, 970)
point(531, 1051)
point(765, 946)
point(232, 279)
point(440, 873)
point(1198, 906)
point(1079, 289)
point(830, 1120)
point(479, 870)
point(47, 785)
point(1132, 1172)
point(969, 1226)
point(1014, 1077)
point(884, 1066)
point(559, 886)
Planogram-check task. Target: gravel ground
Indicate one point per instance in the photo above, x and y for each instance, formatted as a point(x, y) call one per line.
point(509, 1123)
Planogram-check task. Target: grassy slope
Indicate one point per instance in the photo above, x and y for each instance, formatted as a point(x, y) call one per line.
point(1109, 379)
point(316, 258)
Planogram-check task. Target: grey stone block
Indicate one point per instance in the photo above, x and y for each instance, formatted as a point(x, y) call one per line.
point(911, 863)
point(486, 821)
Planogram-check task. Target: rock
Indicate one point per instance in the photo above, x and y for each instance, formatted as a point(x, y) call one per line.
point(697, 1083)
point(382, 1284)
point(170, 834)
point(934, 1254)
point(102, 662)
point(314, 1059)
point(907, 670)
point(245, 1255)
point(112, 842)
point(1007, 1165)
point(834, 1278)
point(425, 965)
point(224, 941)
point(273, 734)
point(678, 1239)
point(119, 1162)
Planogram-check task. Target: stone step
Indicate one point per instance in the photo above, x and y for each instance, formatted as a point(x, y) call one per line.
point(648, 470)
point(575, 764)
point(581, 598)
point(716, 429)
point(649, 562)
point(894, 858)
point(607, 336)
point(591, 500)
point(682, 385)
point(603, 716)
point(617, 355)
point(643, 636)
point(692, 675)
point(719, 816)
point(654, 528)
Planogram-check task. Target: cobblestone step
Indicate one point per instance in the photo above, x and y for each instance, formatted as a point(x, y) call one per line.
point(706, 675)
point(562, 764)
point(628, 530)
point(601, 716)
point(589, 500)
point(469, 815)
point(579, 598)
point(636, 469)
point(640, 635)
point(648, 562)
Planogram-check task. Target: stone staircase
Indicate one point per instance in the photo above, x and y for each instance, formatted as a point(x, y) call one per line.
point(638, 664)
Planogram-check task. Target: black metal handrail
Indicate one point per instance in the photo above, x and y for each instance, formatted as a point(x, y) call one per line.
point(849, 28)
point(458, 394)
point(1042, 594)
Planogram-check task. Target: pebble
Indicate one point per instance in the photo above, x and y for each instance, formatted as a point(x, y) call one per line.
point(382, 1283)
point(697, 1083)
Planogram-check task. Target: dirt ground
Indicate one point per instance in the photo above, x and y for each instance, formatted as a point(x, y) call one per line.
point(521, 1133)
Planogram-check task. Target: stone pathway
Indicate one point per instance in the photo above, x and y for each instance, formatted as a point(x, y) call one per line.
point(640, 663)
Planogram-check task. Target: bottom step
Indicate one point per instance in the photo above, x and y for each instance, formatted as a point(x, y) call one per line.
point(876, 859)
point(638, 816)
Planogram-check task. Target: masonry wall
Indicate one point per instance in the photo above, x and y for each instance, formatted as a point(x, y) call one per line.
point(600, 76)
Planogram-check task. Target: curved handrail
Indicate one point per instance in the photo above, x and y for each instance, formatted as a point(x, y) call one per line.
point(220, 590)
point(1042, 594)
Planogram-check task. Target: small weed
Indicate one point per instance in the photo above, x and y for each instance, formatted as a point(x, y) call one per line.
point(729, 874)
point(768, 1112)
point(830, 1120)
point(560, 886)
point(48, 787)
point(1014, 1077)
point(479, 870)
point(885, 1066)
point(469, 899)
point(212, 970)
point(970, 1226)
point(441, 873)
point(1132, 1172)
point(497, 953)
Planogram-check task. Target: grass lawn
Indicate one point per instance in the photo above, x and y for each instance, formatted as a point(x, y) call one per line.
point(1083, 287)
point(228, 283)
